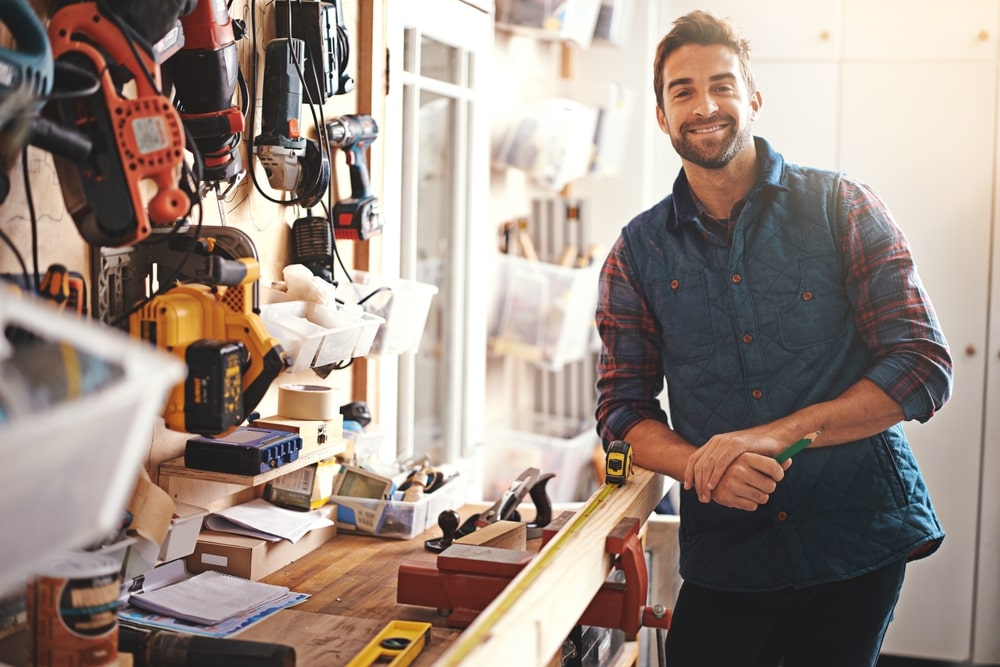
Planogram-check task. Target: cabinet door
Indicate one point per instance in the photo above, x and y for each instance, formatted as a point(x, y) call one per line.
point(920, 29)
point(934, 167)
point(777, 29)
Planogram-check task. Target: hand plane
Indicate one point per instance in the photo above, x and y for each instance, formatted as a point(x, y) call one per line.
point(530, 482)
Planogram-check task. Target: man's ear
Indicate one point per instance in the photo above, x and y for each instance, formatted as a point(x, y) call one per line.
point(756, 102)
point(661, 120)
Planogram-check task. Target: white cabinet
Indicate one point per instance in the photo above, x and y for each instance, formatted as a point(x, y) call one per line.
point(936, 177)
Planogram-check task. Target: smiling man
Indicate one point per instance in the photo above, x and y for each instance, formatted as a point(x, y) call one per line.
point(774, 301)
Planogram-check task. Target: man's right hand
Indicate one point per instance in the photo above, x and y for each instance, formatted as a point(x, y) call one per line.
point(749, 482)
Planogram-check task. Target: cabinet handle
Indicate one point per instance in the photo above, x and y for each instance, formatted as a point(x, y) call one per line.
point(983, 35)
point(970, 350)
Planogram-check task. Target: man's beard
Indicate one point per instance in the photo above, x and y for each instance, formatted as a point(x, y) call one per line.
point(715, 155)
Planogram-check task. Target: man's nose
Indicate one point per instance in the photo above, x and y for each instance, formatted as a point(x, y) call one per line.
point(706, 105)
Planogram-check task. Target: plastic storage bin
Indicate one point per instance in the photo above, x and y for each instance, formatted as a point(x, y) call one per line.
point(317, 335)
point(403, 304)
point(574, 20)
point(543, 312)
point(551, 444)
point(395, 518)
point(71, 466)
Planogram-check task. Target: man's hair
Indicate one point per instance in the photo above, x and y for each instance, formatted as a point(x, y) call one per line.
point(706, 29)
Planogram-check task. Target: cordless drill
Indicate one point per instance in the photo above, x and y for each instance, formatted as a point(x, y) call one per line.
point(359, 217)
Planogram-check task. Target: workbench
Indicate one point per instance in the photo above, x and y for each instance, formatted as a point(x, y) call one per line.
point(352, 583)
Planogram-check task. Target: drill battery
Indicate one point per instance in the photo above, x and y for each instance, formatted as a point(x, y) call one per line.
point(245, 451)
point(213, 390)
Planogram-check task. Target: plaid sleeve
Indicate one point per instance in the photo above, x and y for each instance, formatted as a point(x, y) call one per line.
point(911, 361)
point(629, 370)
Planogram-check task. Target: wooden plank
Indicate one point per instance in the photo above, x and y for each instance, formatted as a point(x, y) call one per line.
point(501, 535)
point(528, 622)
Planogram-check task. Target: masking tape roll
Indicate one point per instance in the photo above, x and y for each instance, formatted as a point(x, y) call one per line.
point(308, 401)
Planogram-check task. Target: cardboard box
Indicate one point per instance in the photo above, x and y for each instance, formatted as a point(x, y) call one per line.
point(251, 557)
point(185, 526)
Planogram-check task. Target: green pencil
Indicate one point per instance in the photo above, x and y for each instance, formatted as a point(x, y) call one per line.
point(796, 448)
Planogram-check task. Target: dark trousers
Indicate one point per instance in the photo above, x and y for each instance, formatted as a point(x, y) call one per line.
point(830, 625)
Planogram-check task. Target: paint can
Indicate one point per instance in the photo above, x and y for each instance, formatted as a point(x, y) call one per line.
point(72, 606)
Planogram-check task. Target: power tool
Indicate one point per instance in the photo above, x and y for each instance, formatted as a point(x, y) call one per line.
point(25, 81)
point(134, 139)
point(205, 73)
point(360, 216)
point(231, 358)
point(292, 162)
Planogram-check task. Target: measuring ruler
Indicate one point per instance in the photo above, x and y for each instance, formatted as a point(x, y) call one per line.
point(477, 634)
point(399, 641)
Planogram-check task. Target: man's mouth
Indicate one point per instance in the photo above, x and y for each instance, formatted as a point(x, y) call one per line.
point(707, 129)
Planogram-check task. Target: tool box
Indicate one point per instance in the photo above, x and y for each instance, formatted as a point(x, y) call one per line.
point(246, 451)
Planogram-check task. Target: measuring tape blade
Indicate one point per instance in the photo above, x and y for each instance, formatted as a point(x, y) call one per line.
point(399, 641)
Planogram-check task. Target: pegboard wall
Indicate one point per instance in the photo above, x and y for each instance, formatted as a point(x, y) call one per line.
point(39, 230)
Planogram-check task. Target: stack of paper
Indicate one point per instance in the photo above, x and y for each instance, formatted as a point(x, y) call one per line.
point(259, 518)
point(208, 598)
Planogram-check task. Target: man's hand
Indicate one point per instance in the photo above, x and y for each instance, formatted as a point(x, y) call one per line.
point(707, 466)
point(748, 482)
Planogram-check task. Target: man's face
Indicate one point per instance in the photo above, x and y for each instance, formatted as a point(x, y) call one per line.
point(707, 109)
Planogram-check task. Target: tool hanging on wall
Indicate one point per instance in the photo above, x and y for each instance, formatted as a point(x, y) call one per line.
point(360, 216)
point(321, 26)
point(231, 357)
point(292, 162)
point(205, 74)
point(134, 139)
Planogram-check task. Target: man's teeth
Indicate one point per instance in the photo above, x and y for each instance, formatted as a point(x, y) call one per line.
point(703, 130)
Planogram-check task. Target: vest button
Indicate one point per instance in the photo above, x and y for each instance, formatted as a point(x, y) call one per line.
point(674, 284)
point(757, 393)
point(737, 278)
point(747, 338)
point(782, 515)
point(807, 296)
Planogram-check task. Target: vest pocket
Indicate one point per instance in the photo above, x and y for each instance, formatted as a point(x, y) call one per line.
point(683, 304)
point(818, 310)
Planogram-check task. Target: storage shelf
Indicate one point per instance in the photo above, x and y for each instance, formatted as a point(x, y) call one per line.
point(218, 490)
point(176, 468)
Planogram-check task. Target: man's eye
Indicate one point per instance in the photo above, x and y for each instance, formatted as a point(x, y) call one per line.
point(726, 90)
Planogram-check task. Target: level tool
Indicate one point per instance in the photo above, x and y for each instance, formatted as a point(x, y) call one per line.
point(398, 644)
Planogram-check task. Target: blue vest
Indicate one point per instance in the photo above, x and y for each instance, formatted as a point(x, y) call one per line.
point(752, 331)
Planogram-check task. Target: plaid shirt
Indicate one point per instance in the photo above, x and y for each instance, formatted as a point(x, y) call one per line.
point(892, 313)
point(810, 289)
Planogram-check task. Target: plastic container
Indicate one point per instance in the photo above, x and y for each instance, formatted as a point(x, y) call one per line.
point(70, 467)
point(551, 444)
point(543, 312)
point(574, 20)
point(403, 304)
point(397, 519)
point(317, 335)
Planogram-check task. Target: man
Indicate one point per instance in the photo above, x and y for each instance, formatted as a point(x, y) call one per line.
point(775, 301)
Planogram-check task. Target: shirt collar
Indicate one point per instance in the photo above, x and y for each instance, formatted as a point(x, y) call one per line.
point(770, 175)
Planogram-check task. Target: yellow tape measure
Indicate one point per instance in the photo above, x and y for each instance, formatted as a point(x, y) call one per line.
point(399, 641)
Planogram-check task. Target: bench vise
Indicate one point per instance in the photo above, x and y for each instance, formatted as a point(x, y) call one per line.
point(467, 578)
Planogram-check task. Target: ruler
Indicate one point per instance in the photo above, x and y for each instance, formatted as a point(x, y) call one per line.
point(482, 629)
point(398, 644)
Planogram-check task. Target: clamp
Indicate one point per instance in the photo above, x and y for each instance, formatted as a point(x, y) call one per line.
point(467, 578)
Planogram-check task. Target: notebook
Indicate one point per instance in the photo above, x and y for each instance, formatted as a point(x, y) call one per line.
point(207, 598)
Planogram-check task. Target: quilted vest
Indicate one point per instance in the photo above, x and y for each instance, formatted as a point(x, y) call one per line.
point(752, 331)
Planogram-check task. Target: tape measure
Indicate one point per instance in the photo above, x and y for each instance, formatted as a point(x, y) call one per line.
point(618, 466)
point(399, 641)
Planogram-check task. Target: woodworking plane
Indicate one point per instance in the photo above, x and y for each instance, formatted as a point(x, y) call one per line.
point(467, 578)
point(530, 482)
